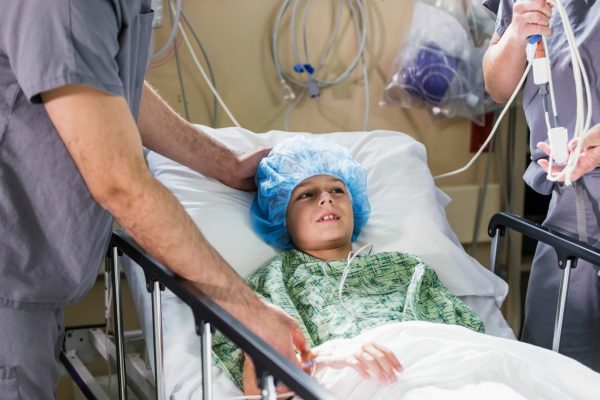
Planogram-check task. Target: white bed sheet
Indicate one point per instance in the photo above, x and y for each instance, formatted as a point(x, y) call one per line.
point(407, 215)
point(451, 362)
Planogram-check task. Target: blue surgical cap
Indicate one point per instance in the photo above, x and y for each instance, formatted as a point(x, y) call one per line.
point(290, 163)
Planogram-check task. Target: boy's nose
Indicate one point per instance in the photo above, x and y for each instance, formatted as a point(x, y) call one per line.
point(326, 198)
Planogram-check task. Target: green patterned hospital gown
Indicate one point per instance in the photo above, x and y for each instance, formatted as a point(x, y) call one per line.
point(380, 288)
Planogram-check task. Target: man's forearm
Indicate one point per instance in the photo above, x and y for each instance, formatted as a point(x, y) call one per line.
point(165, 132)
point(101, 136)
point(150, 213)
point(503, 65)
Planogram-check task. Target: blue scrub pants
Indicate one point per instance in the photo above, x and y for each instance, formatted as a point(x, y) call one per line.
point(581, 329)
point(30, 343)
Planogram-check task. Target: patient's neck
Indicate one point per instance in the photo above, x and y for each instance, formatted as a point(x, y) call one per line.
point(337, 253)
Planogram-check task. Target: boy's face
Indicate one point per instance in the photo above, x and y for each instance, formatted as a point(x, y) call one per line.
point(319, 215)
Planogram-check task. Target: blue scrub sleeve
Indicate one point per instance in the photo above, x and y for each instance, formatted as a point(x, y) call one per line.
point(503, 11)
point(52, 43)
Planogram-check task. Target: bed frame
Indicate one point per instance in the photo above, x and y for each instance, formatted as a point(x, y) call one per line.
point(271, 367)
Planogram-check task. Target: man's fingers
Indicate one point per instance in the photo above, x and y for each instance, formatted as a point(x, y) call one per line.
point(544, 164)
point(300, 342)
point(592, 139)
point(572, 144)
point(545, 147)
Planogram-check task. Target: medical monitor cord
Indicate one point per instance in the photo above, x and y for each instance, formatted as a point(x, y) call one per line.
point(360, 22)
point(494, 129)
point(581, 127)
point(203, 72)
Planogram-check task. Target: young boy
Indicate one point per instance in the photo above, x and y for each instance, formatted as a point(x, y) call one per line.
point(312, 203)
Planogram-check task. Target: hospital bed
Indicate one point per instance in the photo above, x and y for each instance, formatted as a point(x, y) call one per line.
point(408, 215)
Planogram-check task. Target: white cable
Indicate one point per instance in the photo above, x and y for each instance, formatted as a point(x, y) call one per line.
point(581, 69)
point(171, 38)
point(288, 114)
point(493, 132)
point(365, 73)
point(547, 118)
point(358, 12)
point(360, 22)
point(351, 257)
point(550, 81)
point(582, 118)
point(322, 83)
point(204, 75)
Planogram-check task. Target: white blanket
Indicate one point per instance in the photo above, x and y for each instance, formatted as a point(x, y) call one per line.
point(451, 362)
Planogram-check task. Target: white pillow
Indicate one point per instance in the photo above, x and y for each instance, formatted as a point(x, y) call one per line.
point(407, 209)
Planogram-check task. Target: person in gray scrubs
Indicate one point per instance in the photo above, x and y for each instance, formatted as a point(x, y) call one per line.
point(74, 113)
point(503, 65)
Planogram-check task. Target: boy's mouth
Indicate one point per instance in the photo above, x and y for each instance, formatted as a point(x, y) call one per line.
point(329, 217)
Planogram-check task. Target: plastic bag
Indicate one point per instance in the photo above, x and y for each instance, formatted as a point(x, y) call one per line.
point(439, 65)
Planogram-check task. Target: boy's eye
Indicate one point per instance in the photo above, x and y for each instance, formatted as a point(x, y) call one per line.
point(338, 190)
point(304, 195)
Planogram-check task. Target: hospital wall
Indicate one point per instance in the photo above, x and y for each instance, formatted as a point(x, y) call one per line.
point(237, 38)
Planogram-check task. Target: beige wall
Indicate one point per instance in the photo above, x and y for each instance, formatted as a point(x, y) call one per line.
point(236, 35)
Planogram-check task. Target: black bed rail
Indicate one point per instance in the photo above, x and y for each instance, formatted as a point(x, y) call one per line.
point(205, 310)
point(567, 249)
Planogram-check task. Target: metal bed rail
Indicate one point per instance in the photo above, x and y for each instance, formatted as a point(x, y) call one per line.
point(568, 250)
point(270, 366)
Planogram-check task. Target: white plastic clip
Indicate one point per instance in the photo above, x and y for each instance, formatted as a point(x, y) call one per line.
point(540, 70)
point(288, 93)
point(530, 51)
point(558, 139)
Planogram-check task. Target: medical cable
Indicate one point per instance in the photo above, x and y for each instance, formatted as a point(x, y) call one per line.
point(288, 92)
point(583, 118)
point(179, 74)
point(551, 84)
point(204, 75)
point(349, 259)
point(322, 83)
point(215, 114)
point(493, 131)
point(581, 127)
point(312, 83)
point(167, 57)
point(172, 33)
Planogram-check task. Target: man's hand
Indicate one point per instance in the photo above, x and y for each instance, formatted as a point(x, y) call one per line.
point(530, 17)
point(283, 333)
point(243, 177)
point(589, 158)
point(504, 61)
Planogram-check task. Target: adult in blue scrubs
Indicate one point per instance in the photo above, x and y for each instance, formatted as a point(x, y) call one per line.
point(74, 114)
point(503, 65)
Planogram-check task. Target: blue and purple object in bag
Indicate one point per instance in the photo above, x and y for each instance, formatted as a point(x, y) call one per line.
point(430, 74)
